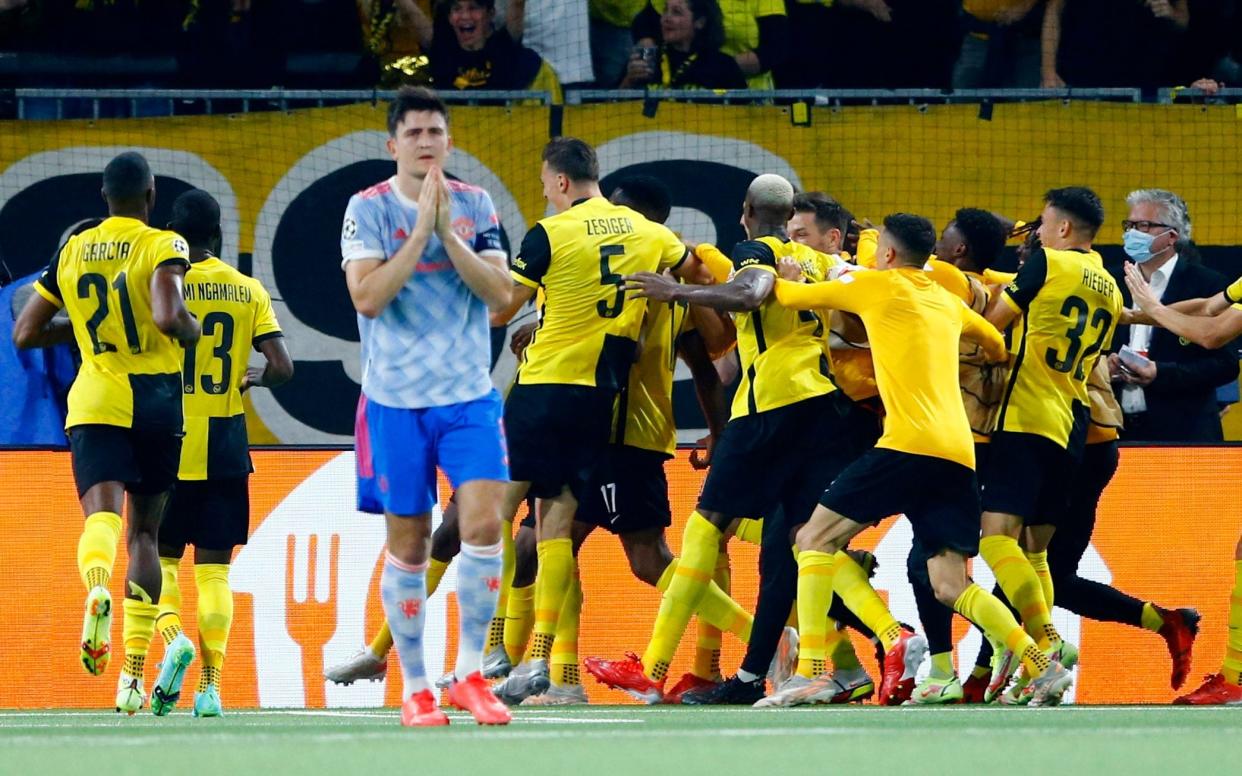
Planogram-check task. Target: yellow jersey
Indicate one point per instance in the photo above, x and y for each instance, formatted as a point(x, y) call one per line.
point(783, 352)
point(1070, 306)
point(236, 313)
point(130, 375)
point(589, 329)
point(914, 327)
point(646, 411)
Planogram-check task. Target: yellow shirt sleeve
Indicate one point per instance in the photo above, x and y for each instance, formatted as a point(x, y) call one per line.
point(1234, 293)
point(672, 250)
point(997, 278)
point(265, 324)
point(714, 259)
point(977, 329)
point(950, 279)
point(868, 239)
point(850, 293)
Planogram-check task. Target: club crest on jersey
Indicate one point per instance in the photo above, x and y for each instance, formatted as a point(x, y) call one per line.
point(464, 227)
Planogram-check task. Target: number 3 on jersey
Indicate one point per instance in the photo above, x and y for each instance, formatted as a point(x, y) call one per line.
point(212, 323)
point(609, 278)
point(1075, 357)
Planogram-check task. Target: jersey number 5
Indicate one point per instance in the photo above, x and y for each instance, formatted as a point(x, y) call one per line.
point(609, 278)
point(1075, 356)
point(211, 323)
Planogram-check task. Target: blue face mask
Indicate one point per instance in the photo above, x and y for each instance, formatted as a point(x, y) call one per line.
point(1137, 245)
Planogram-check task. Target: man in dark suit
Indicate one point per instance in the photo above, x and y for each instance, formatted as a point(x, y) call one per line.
point(1172, 399)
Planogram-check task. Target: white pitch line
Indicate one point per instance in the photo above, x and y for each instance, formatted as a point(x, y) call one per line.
point(519, 734)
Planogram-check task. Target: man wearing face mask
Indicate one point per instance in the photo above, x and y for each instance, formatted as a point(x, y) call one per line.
point(1171, 397)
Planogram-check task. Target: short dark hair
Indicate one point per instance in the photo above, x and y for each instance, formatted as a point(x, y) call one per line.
point(1081, 204)
point(196, 217)
point(983, 233)
point(647, 195)
point(829, 214)
point(127, 177)
point(414, 98)
point(914, 234)
point(573, 158)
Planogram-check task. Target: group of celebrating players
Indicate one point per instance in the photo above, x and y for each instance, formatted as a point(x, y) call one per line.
point(873, 381)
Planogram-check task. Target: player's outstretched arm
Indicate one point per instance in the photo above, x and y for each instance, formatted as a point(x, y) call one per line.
point(1208, 331)
point(710, 392)
point(744, 293)
point(976, 329)
point(168, 308)
point(278, 369)
point(38, 327)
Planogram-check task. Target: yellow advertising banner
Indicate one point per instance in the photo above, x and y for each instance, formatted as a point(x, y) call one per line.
point(283, 180)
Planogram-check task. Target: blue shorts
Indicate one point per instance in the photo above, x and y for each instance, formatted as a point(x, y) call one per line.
point(398, 450)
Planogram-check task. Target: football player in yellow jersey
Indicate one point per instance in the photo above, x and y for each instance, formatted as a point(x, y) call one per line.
point(1209, 323)
point(628, 494)
point(559, 414)
point(121, 283)
point(1064, 307)
point(210, 507)
point(771, 452)
point(923, 465)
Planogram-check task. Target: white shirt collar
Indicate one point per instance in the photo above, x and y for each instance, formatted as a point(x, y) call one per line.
point(403, 199)
point(1160, 278)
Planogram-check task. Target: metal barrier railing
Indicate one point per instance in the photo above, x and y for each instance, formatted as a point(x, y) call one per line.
point(101, 103)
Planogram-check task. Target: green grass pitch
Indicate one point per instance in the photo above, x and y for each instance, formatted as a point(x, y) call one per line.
point(601, 741)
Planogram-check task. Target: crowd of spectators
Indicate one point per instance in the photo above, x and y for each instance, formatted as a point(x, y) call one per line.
point(549, 44)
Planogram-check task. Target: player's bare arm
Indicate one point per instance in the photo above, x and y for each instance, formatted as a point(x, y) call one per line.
point(168, 308)
point(487, 274)
point(278, 369)
point(373, 283)
point(744, 293)
point(1208, 331)
point(38, 326)
point(710, 392)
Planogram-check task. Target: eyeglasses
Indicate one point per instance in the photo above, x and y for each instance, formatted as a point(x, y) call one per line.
point(1143, 226)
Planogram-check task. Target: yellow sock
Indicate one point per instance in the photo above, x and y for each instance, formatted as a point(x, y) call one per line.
point(519, 619)
point(850, 582)
point(435, 572)
point(564, 663)
point(1232, 668)
point(840, 648)
point(1039, 562)
point(942, 665)
point(985, 610)
point(382, 641)
point(708, 640)
point(1152, 620)
point(750, 530)
point(97, 548)
point(496, 628)
point(815, 577)
point(139, 627)
point(168, 621)
point(1016, 577)
point(215, 614)
point(699, 547)
point(556, 568)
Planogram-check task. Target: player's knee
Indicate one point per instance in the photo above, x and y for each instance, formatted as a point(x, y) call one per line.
point(647, 565)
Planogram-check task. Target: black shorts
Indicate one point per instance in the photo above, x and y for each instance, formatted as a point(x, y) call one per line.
point(940, 497)
point(145, 461)
point(557, 435)
point(783, 457)
point(1027, 475)
point(629, 492)
point(209, 514)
